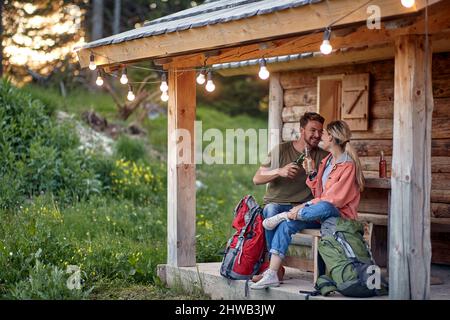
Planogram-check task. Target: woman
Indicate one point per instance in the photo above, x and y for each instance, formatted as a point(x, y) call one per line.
point(336, 188)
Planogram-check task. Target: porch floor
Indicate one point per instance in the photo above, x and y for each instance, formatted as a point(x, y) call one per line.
point(205, 277)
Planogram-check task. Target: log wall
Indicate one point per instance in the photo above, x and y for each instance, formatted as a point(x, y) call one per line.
point(300, 95)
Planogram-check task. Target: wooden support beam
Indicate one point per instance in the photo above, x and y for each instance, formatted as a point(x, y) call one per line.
point(275, 110)
point(181, 170)
point(409, 221)
point(254, 30)
point(360, 37)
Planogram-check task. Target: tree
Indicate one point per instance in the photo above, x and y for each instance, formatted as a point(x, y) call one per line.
point(97, 19)
point(39, 37)
point(1, 38)
point(116, 20)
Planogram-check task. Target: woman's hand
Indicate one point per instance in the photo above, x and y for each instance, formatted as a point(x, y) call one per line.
point(309, 165)
point(293, 213)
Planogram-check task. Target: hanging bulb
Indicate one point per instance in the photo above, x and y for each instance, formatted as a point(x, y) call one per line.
point(263, 72)
point(201, 77)
point(210, 86)
point(99, 80)
point(165, 96)
point(92, 64)
point(326, 47)
point(124, 78)
point(164, 87)
point(130, 95)
point(408, 3)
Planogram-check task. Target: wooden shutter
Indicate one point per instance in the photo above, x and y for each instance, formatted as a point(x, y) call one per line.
point(355, 101)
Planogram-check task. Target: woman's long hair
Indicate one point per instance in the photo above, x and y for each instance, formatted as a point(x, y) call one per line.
point(341, 133)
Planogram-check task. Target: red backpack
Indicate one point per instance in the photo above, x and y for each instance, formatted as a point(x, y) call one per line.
point(245, 250)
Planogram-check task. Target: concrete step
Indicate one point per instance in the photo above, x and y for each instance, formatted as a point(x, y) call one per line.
point(206, 278)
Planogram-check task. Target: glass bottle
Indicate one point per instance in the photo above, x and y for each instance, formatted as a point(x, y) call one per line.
point(308, 161)
point(382, 166)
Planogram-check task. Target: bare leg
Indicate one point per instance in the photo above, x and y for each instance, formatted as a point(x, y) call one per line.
point(275, 262)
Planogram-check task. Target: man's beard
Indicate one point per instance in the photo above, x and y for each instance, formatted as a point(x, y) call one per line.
point(312, 144)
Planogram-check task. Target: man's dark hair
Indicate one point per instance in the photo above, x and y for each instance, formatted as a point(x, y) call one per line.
point(310, 116)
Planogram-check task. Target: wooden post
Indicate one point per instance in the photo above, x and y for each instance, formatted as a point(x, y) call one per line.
point(181, 169)
point(275, 110)
point(409, 221)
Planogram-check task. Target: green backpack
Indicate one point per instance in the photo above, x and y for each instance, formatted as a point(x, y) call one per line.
point(350, 268)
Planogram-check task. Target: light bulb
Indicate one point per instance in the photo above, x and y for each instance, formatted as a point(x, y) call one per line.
point(264, 73)
point(130, 95)
point(201, 78)
point(408, 3)
point(210, 86)
point(92, 65)
point(326, 47)
point(163, 87)
point(99, 80)
point(124, 78)
point(165, 96)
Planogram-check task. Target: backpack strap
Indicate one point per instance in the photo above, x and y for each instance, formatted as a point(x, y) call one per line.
point(254, 212)
point(325, 285)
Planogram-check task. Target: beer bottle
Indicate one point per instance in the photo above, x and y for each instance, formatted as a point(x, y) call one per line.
point(382, 166)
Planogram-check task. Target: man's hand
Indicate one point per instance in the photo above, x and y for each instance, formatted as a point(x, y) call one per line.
point(289, 171)
point(293, 213)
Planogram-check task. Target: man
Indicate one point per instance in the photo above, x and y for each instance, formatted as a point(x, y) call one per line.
point(286, 180)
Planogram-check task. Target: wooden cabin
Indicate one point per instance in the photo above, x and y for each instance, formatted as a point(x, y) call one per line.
point(302, 85)
point(392, 84)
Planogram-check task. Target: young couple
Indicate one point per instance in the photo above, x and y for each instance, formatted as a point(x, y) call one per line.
point(296, 199)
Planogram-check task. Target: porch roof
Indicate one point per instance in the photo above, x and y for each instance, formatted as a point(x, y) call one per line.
point(227, 24)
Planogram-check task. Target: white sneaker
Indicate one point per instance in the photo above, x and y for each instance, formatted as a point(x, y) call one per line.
point(269, 279)
point(272, 222)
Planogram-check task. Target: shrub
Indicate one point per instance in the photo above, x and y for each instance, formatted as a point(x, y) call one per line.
point(47, 282)
point(137, 181)
point(130, 149)
point(37, 155)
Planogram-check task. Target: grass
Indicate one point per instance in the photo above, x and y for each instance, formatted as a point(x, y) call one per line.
point(118, 242)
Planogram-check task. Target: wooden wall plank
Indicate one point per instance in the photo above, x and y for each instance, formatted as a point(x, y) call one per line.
point(438, 164)
point(293, 114)
point(440, 210)
point(384, 109)
point(300, 97)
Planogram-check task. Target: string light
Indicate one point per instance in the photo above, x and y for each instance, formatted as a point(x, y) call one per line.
point(130, 95)
point(210, 86)
point(99, 80)
point(165, 96)
point(408, 3)
point(201, 77)
point(124, 78)
point(92, 64)
point(163, 87)
point(326, 47)
point(263, 72)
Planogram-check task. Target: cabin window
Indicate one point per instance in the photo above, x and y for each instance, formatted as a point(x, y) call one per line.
point(344, 97)
point(329, 96)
